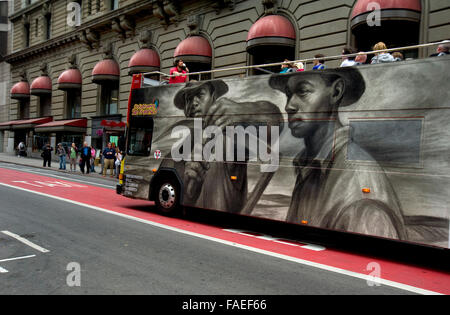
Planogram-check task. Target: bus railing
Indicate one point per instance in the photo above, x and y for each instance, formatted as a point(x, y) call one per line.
point(304, 61)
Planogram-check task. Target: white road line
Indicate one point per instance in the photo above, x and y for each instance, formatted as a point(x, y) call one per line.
point(17, 258)
point(3, 270)
point(245, 247)
point(26, 242)
point(57, 176)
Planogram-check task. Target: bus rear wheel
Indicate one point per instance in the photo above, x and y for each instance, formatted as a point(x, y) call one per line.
point(167, 198)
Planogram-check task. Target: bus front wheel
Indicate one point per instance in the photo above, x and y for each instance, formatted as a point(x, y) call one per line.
point(167, 198)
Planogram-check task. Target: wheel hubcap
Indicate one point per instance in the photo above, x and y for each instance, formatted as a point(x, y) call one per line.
point(167, 196)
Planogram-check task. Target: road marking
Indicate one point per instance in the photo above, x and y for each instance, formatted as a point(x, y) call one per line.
point(261, 236)
point(26, 242)
point(3, 270)
point(17, 258)
point(56, 176)
point(50, 184)
point(353, 274)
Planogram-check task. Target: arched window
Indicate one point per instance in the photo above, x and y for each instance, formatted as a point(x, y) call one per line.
point(196, 52)
point(396, 23)
point(70, 81)
point(270, 40)
point(106, 74)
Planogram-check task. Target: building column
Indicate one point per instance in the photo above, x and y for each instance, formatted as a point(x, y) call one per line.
point(10, 148)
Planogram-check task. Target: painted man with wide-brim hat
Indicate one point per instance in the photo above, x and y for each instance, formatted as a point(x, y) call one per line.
point(196, 98)
point(328, 190)
point(208, 184)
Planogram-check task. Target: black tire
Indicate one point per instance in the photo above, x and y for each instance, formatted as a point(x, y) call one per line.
point(167, 198)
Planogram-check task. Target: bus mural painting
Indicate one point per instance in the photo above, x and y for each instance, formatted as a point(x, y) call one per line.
point(204, 99)
point(328, 190)
point(360, 149)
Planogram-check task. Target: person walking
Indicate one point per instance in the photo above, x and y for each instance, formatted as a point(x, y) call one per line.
point(73, 153)
point(93, 152)
point(85, 158)
point(118, 162)
point(22, 149)
point(47, 155)
point(108, 156)
point(62, 156)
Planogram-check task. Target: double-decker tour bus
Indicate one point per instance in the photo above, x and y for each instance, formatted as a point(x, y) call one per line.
point(360, 149)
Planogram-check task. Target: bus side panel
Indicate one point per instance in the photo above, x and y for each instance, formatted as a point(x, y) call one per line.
point(369, 157)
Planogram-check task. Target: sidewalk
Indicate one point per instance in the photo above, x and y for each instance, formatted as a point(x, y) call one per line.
point(38, 163)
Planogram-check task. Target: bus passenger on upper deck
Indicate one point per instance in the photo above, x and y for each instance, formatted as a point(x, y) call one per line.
point(180, 71)
point(329, 189)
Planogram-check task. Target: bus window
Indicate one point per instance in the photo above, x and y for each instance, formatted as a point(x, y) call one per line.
point(140, 137)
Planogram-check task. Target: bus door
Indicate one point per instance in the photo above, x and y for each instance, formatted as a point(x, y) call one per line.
point(136, 169)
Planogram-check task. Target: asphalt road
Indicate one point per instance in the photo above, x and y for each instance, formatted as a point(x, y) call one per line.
point(120, 256)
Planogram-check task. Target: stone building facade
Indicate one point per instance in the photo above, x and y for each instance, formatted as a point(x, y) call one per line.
point(76, 57)
point(5, 72)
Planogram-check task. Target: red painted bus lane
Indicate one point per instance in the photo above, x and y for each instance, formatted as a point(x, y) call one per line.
point(374, 271)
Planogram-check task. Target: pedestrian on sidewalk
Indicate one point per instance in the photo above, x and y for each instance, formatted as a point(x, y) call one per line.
point(85, 158)
point(118, 161)
point(22, 149)
point(109, 154)
point(73, 154)
point(62, 157)
point(92, 160)
point(47, 155)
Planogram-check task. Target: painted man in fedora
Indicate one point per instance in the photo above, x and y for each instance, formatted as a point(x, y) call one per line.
point(331, 191)
point(208, 184)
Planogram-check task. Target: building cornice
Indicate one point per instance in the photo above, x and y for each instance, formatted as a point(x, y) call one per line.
point(102, 22)
point(18, 14)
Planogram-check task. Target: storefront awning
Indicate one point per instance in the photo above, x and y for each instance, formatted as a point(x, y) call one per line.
point(70, 80)
point(145, 60)
point(194, 49)
point(271, 30)
point(409, 10)
point(113, 124)
point(24, 124)
point(20, 91)
point(41, 86)
point(106, 71)
point(72, 125)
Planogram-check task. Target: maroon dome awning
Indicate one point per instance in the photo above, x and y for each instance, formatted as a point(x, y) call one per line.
point(194, 49)
point(271, 30)
point(70, 80)
point(144, 60)
point(24, 124)
point(70, 125)
point(20, 91)
point(41, 86)
point(409, 10)
point(106, 71)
